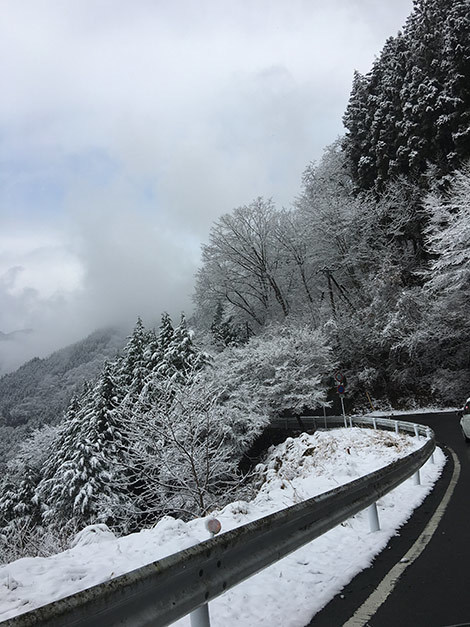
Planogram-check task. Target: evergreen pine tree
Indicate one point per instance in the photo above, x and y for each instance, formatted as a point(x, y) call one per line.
point(166, 332)
point(222, 330)
point(387, 124)
point(165, 339)
point(26, 506)
point(455, 67)
point(413, 108)
point(132, 366)
point(152, 352)
point(79, 479)
point(357, 142)
point(8, 502)
point(181, 357)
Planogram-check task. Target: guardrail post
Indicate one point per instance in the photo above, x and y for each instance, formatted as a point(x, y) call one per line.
point(374, 422)
point(374, 523)
point(416, 431)
point(396, 426)
point(429, 434)
point(200, 617)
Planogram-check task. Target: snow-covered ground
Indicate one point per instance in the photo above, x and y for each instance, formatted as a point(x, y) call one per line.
point(286, 594)
point(408, 412)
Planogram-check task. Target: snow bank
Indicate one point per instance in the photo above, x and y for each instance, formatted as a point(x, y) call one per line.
point(410, 412)
point(288, 593)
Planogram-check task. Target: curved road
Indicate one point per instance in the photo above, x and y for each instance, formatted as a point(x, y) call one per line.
point(434, 591)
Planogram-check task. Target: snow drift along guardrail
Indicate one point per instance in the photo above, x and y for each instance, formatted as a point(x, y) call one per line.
point(165, 590)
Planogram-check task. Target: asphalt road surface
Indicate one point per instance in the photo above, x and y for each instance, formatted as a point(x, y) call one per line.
point(434, 590)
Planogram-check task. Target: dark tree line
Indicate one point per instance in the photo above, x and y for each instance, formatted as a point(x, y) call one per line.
point(412, 110)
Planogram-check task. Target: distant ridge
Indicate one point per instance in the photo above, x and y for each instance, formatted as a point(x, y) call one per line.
point(14, 335)
point(39, 391)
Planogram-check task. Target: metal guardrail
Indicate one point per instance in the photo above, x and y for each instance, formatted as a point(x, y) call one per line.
point(170, 588)
point(386, 423)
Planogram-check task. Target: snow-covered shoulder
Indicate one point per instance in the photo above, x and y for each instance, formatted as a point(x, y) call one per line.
point(411, 412)
point(288, 593)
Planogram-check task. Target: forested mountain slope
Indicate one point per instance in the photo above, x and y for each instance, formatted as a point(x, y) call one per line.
point(161, 430)
point(38, 392)
point(373, 251)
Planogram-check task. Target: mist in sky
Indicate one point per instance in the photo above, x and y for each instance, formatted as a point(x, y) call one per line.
point(127, 128)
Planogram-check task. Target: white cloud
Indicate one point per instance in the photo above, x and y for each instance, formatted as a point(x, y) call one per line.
point(128, 127)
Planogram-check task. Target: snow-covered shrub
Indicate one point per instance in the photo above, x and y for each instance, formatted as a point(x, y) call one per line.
point(281, 370)
point(24, 538)
point(187, 445)
point(20, 510)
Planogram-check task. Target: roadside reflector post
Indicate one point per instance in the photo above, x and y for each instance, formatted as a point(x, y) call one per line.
point(344, 413)
point(374, 422)
point(374, 523)
point(341, 389)
point(200, 616)
point(396, 426)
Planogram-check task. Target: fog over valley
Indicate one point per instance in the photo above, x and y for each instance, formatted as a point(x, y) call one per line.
point(127, 130)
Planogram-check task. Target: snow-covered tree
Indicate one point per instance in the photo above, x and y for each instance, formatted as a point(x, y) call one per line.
point(181, 358)
point(412, 108)
point(20, 509)
point(357, 142)
point(166, 332)
point(443, 339)
point(241, 266)
point(448, 237)
point(18, 499)
point(406, 339)
point(327, 215)
point(132, 367)
point(152, 351)
point(8, 501)
point(281, 370)
point(79, 479)
point(188, 446)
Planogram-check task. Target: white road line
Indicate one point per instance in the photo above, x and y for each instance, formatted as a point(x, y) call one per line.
point(388, 583)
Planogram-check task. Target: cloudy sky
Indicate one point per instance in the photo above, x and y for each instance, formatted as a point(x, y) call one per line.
point(128, 126)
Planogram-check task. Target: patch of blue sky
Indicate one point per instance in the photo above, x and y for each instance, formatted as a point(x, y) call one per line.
point(35, 187)
point(27, 191)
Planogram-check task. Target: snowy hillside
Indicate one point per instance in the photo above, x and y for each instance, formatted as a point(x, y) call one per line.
point(286, 594)
point(39, 391)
